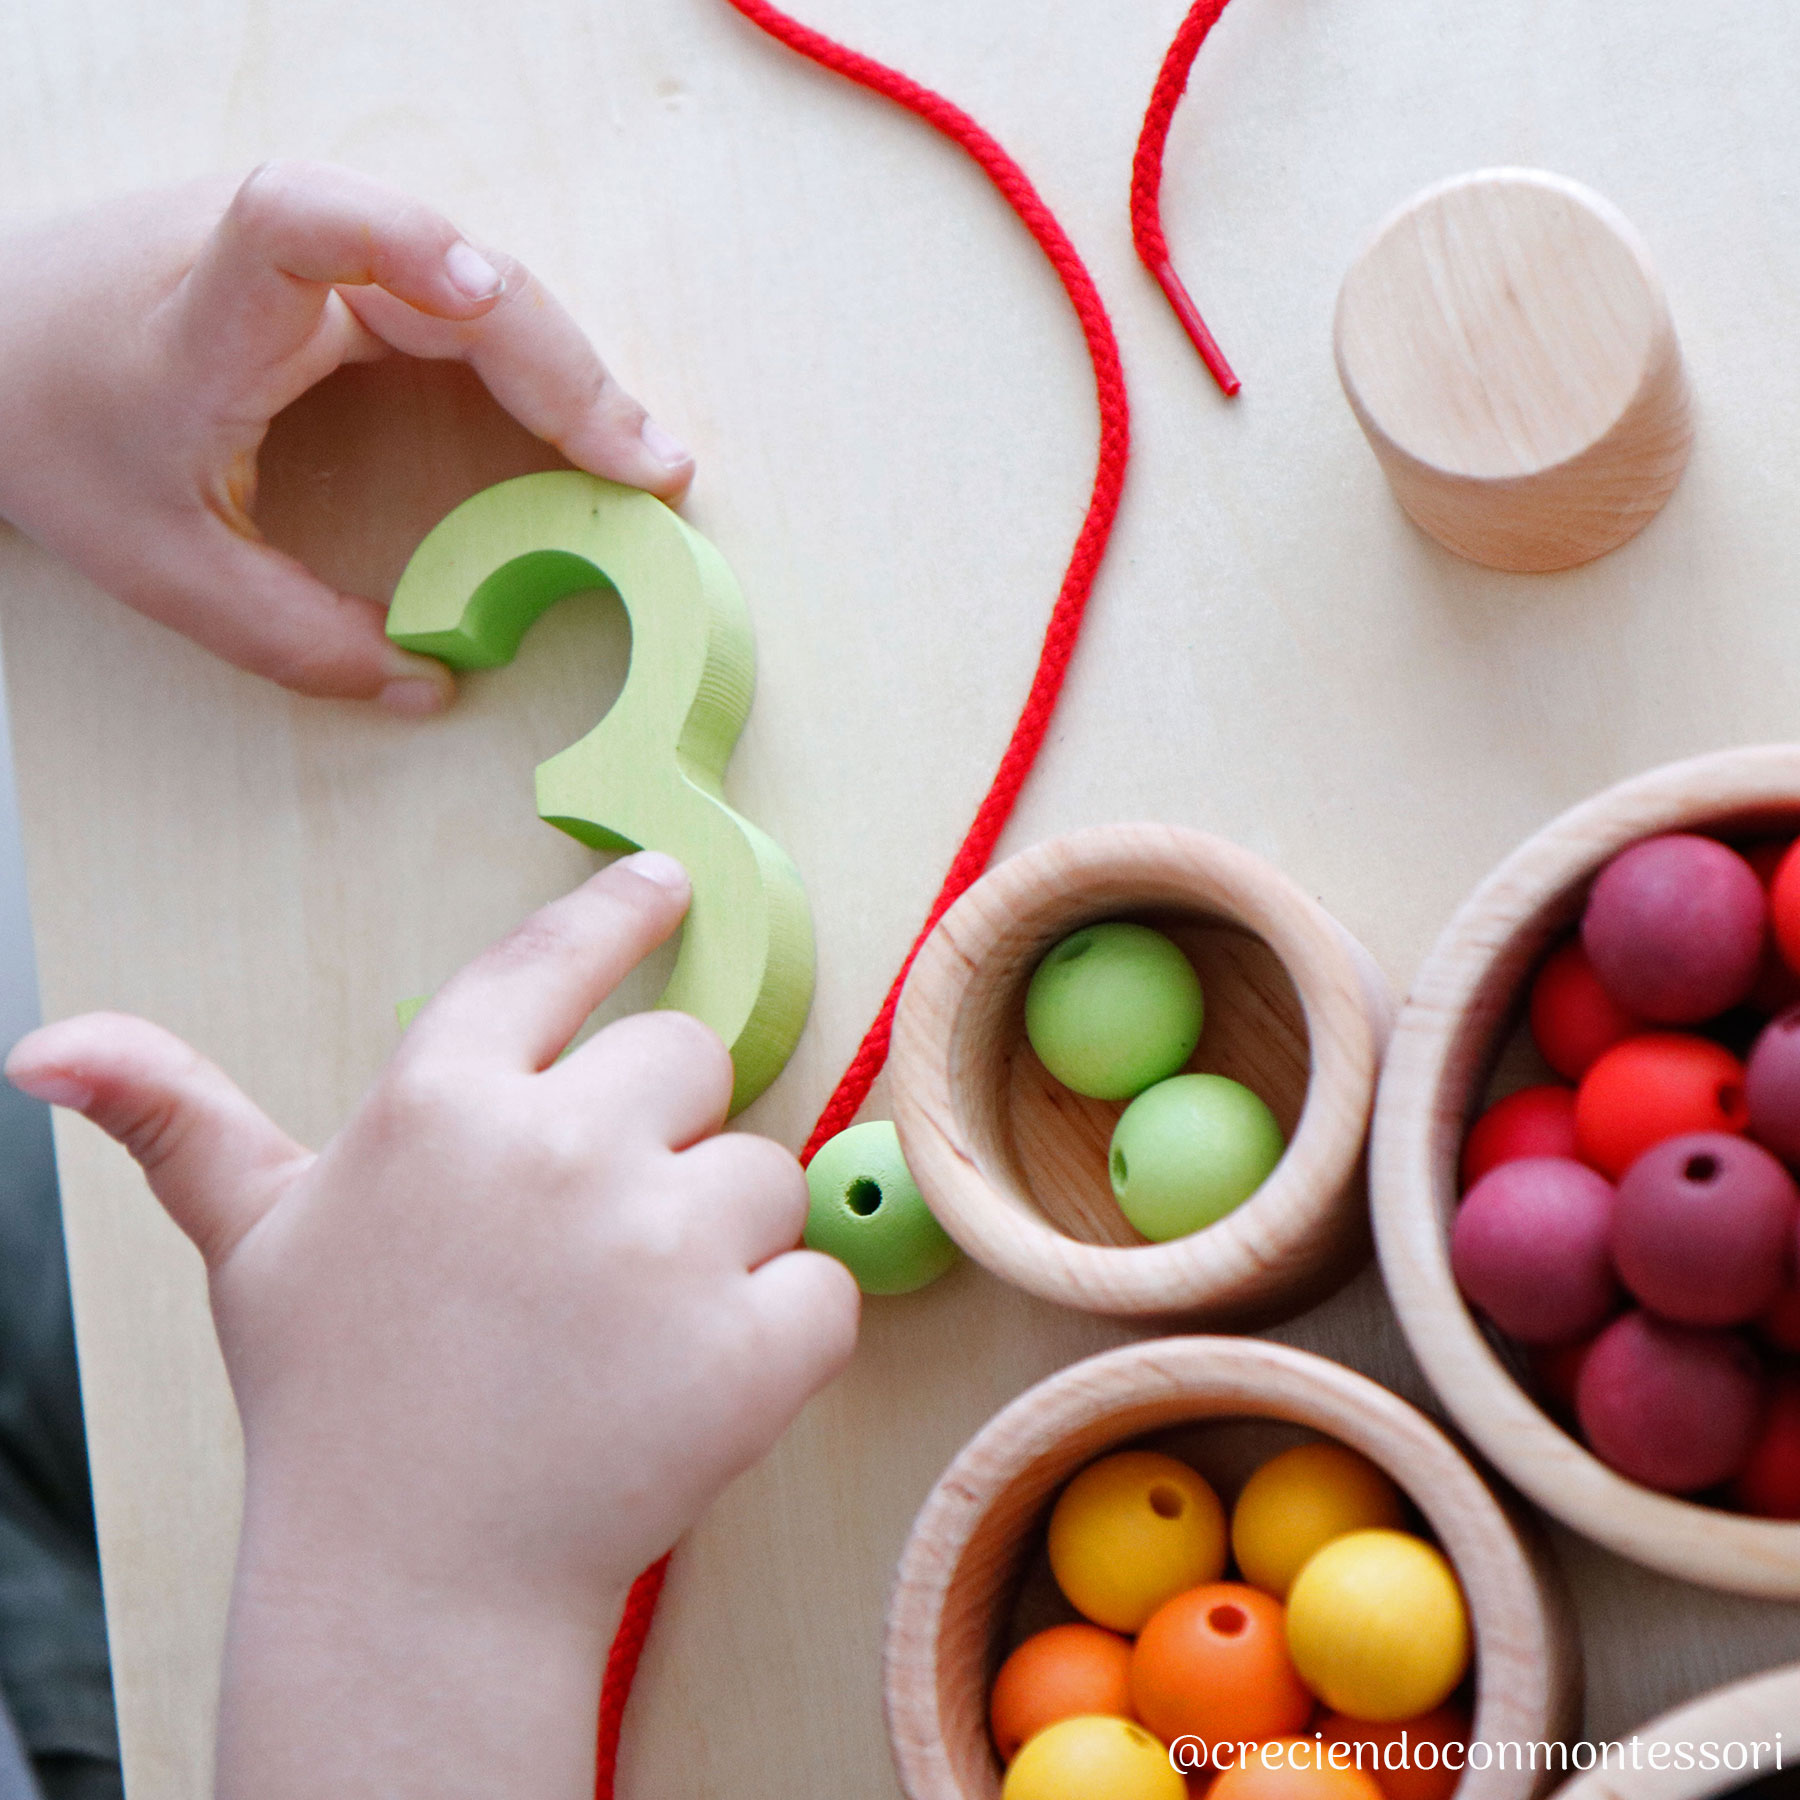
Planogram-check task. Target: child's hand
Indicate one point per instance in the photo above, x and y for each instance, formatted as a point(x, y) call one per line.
point(146, 344)
point(494, 1348)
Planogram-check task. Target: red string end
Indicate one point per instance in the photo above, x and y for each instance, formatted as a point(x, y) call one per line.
point(1146, 185)
point(1204, 341)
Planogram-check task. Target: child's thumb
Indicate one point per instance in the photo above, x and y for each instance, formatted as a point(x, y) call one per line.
point(213, 1158)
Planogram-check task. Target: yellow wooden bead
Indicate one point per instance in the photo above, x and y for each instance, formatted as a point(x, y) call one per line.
point(1377, 1626)
point(1132, 1531)
point(1085, 1758)
point(1298, 1502)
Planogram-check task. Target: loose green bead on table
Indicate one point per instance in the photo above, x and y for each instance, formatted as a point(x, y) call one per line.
point(1187, 1151)
point(867, 1211)
point(1113, 1009)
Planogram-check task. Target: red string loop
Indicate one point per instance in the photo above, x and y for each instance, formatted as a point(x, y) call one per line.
point(1146, 185)
point(1034, 719)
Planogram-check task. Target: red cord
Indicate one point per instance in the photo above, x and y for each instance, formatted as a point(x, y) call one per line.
point(1146, 185)
point(621, 1669)
point(1034, 720)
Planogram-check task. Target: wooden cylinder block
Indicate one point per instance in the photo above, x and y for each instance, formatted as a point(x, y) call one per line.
point(1465, 1001)
point(1014, 1164)
point(1506, 347)
point(984, 1521)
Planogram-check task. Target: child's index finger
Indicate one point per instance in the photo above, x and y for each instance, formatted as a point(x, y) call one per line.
point(526, 996)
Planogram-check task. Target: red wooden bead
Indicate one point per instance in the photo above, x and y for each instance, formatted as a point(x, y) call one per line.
point(1779, 1324)
point(1660, 1085)
point(1777, 986)
point(1536, 1121)
point(1672, 1406)
point(1531, 1248)
point(1784, 906)
point(1703, 1228)
point(1557, 1371)
point(1675, 927)
point(1574, 1020)
point(1769, 1483)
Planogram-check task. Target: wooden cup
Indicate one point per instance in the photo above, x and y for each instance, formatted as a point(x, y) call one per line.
point(1506, 347)
point(977, 1531)
point(1466, 999)
point(1014, 1164)
point(1762, 1710)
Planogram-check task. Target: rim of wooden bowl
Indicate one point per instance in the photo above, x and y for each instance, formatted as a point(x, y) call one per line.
point(1752, 1710)
point(1438, 1061)
point(965, 1547)
point(1299, 1236)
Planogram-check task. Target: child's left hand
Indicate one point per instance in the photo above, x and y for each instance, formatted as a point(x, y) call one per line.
point(146, 344)
point(494, 1349)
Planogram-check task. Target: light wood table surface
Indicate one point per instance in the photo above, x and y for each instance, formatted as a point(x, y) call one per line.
point(895, 427)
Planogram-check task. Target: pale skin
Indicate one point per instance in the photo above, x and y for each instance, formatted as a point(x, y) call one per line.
point(498, 1344)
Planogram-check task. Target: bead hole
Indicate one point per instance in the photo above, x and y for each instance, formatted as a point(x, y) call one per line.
point(1227, 1621)
point(1118, 1168)
point(1701, 1168)
point(1079, 945)
point(863, 1196)
point(1166, 1502)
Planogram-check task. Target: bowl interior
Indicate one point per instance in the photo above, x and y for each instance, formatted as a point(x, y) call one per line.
point(1003, 1591)
point(1042, 1147)
point(1492, 1053)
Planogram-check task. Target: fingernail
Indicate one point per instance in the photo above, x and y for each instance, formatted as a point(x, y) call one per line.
point(666, 449)
point(653, 865)
point(471, 273)
point(55, 1088)
point(415, 697)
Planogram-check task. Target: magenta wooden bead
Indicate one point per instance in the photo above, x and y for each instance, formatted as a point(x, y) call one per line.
point(1703, 1228)
point(1672, 1406)
point(1772, 1086)
point(1675, 928)
point(1530, 1248)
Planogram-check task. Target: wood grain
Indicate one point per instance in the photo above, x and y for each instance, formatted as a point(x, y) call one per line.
point(1014, 1165)
point(1506, 347)
point(962, 1563)
point(893, 419)
point(1760, 1716)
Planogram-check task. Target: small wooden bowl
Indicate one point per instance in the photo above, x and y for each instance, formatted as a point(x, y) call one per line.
point(1453, 1026)
point(978, 1529)
point(1014, 1164)
point(1762, 1709)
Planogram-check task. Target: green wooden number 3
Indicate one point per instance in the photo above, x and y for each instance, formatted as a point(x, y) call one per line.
point(649, 775)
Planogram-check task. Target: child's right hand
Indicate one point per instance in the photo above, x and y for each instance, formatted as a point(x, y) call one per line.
point(494, 1348)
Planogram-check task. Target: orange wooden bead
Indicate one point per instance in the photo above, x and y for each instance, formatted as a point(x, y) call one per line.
point(1656, 1086)
point(1378, 1746)
point(1062, 1673)
point(1213, 1663)
point(1301, 1771)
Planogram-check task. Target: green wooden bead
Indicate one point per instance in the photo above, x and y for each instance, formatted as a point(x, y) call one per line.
point(867, 1211)
point(1189, 1150)
point(1113, 1009)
